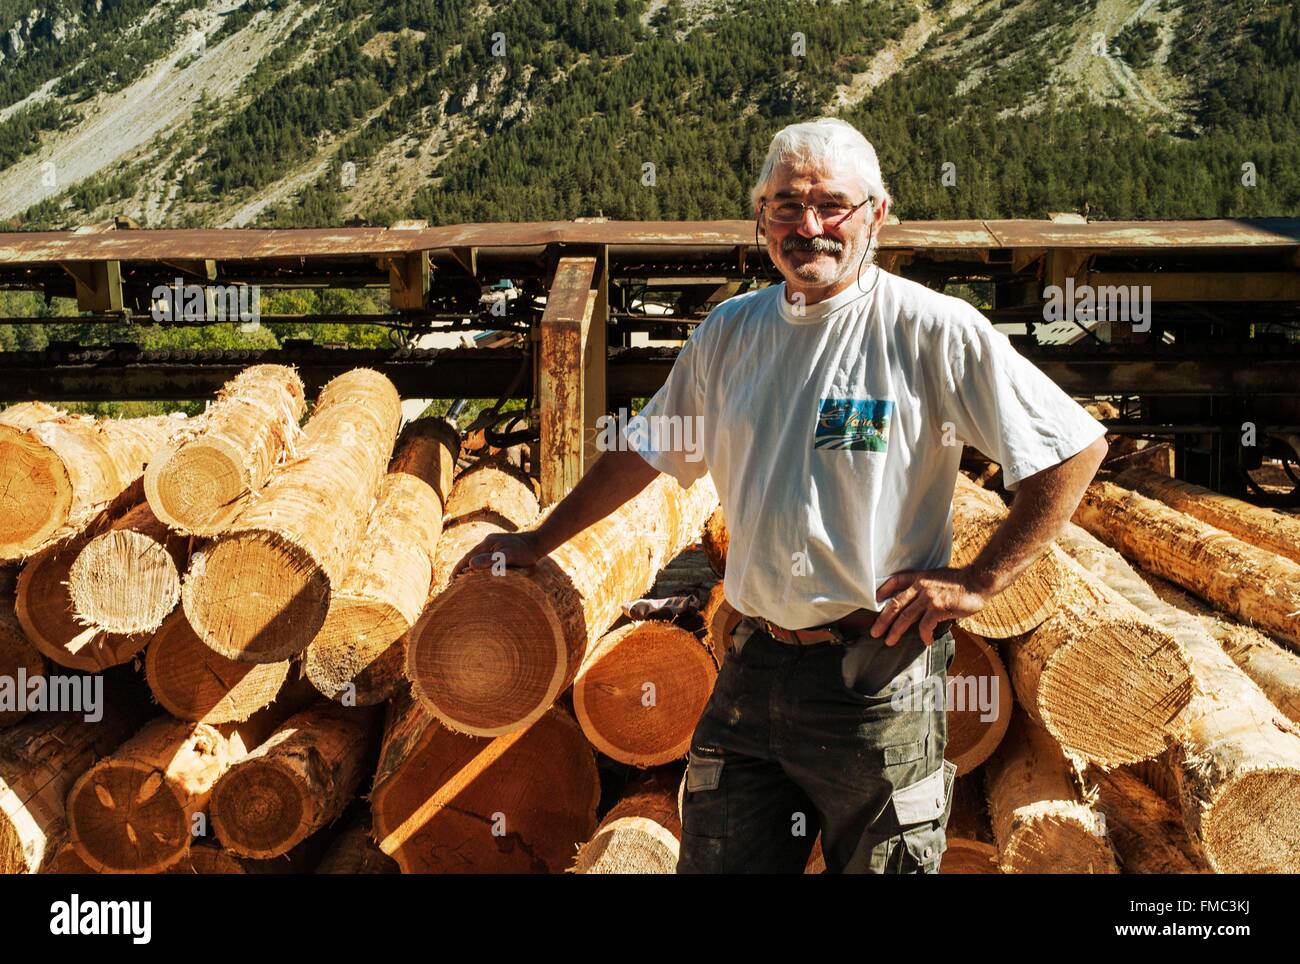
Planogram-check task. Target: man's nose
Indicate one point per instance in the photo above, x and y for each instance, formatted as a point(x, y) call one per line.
point(810, 226)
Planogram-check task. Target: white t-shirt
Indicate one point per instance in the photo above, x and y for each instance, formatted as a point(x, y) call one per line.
point(834, 435)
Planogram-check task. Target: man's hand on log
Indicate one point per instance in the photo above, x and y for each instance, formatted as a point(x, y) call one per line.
point(926, 597)
point(500, 551)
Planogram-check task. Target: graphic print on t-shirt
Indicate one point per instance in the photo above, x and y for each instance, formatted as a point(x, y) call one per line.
point(855, 424)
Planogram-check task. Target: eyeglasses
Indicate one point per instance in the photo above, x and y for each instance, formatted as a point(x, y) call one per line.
point(791, 212)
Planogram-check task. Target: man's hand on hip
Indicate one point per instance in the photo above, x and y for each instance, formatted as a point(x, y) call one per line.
point(925, 597)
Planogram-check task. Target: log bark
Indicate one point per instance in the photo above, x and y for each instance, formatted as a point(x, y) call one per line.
point(1235, 756)
point(355, 852)
point(1101, 677)
point(211, 478)
point(720, 621)
point(493, 652)
point(128, 579)
point(192, 682)
point(447, 802)
point(19, 660)
point(1032, 597)
point(1040, 821)
point(260, 593)
point(40, 759)
point(359, 651)
point(296, 782)
point(1263, 528)
point(58, 474)
point(716, 541)
point(977, 674)
point(1255, 585)
point(641, 834)
point(641, 690)
point(1147, 833)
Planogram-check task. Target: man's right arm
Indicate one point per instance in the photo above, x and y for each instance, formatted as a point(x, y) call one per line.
point(614, 479)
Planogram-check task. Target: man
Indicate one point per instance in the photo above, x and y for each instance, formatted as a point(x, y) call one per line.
point(833, 409)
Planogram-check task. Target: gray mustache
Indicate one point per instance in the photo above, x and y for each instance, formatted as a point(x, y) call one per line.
point(827, 245)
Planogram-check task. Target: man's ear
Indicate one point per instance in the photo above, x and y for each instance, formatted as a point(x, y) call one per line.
point(884, 212)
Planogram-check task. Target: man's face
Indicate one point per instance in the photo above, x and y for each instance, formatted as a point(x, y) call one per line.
point(819, 258)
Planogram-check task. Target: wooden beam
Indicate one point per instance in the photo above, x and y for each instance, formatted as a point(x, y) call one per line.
point(561, 386)
point(99, 284)
point(408, 280)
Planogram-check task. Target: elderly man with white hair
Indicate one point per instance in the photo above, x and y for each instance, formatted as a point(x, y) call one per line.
point(833, 408)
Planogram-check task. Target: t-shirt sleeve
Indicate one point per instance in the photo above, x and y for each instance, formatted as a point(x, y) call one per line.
point(667, 431)
point(1001, 403)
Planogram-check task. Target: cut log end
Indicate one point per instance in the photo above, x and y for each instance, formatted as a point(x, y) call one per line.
point(969, 857)
point(18, 659)
point(256, 597)
point(123, 817)
point(501, 666)
point(1024, 604)
point(976, 671)
point(1105, 702)
point(1057, 837)
point(201, 488)
point(36, 493)
point(1254, 824)
point(124, 582)
point(357, 666)
point(259, 811)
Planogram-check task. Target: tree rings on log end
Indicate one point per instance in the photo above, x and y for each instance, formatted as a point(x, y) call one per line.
point(256, 597)
point(504, 664)
point(123, 817)
point(35, 493)
point(1025, 604)
point(358, 665)
point(201, 488)
point(1057, 837)
point(258, 810)
point(977, 672)
point(124, 582)
point(969, 857)
point(1253, 826)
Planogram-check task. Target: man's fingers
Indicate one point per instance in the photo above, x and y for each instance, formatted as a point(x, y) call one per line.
point(889, 612)
point(898, 581)
point(905, 619)
point(929, 624)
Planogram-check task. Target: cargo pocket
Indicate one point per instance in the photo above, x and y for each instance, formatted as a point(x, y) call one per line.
point(704, 802)
point(922, 810)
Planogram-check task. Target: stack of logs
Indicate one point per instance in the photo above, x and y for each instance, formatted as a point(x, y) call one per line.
point(297, 674)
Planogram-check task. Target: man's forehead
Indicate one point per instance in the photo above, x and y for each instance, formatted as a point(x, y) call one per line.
point(831, 181)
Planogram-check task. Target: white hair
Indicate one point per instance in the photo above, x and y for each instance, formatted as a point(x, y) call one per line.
point(822, 142)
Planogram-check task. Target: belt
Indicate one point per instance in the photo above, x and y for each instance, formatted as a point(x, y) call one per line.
point(854, 624)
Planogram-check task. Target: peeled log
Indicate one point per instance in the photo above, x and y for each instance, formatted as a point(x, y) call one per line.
point(641, 690)
point(1262, 528)
point(18, 659)
point(1235, 756)
point(977, 675)
point(640, 835)
point(59, 473)
point(1274, 669)
point(1147, 833)
point(493, 489)
point(1104, 680)
point(716, 540)
point(40, 759)
point(976, 514)
point(296, 782)
point(1040, 822)
point(261, 592)
point(127, 580)
point(359, 651)
point(192, 682)
point(253, 424)
point(1252, 584)
point(447, 802)
point(493, 652)
point(45, 612)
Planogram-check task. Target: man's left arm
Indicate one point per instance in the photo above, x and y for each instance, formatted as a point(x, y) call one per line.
point(1043, 504)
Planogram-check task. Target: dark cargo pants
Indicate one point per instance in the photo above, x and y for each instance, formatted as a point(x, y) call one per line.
point(831, 737)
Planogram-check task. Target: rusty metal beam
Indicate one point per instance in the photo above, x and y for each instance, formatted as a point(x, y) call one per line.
point(1205, 285)
point(566, 323)
point(98, 284)
point(408, 280)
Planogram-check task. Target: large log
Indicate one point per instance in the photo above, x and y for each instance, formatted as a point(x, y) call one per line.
point(1253, 584)
point(1235, 756)
point(447, 802)
point(251, 427)
point(978, 699)
point(1040, 821)
point(493, 652)
point(40, 759)
point(260, 592)
point(492, 496)
point(296, 782)
point(641, 690)
point(641, 834)
point(128, 579)
point(193, 682)
point(56, 475)
point(358, 655)
point(355, 852)
point(969, 834)
point(1262, 528)
point(716, 540)
point(1147, 833)
point(720, 621)
point(1101, 677)
point(1275, 669)
point(19, 661)
point(976, 515)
